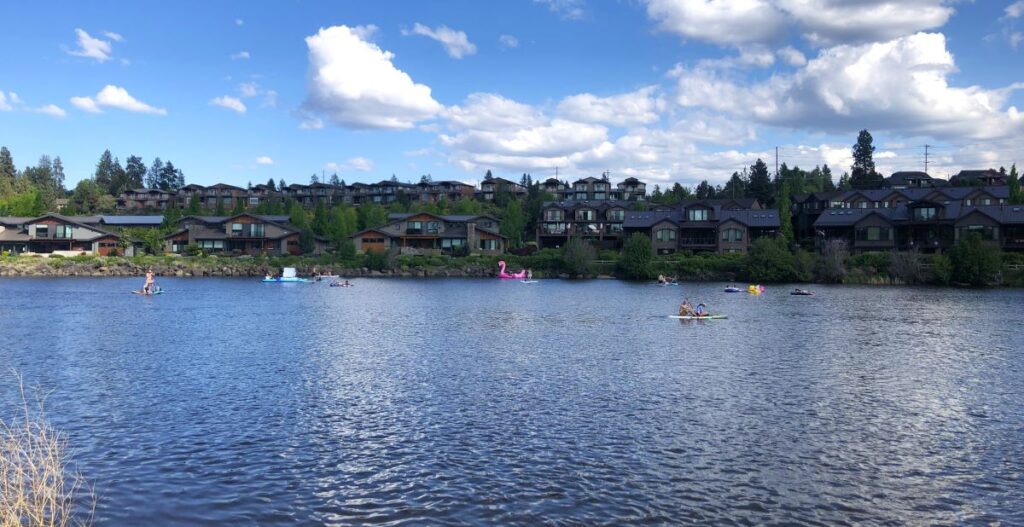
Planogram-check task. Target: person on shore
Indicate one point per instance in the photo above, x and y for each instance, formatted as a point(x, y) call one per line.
point(147, 288)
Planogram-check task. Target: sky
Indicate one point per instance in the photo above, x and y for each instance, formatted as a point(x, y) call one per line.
point(664, 90)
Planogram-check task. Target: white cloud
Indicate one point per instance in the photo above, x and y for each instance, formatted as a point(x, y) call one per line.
point(361, 164)
point(455, 43)
point(792, 56)
point(639, 107)
point(311, 123)
point(488, 111)
point(115, 97)
point(270, 98)
point(52, 110)
point(899, 86)
point(508, 41)
point(116, 37)
point(241, 55)
point(842, 21)
point(1015, 39)
point(354, 83)
point(1015, 10)
point(91, 47)
point(4, 105)
point(249, 89)
point(823, 22)
point(231, 103)
point(85, 104)
point(719, 21)
point(14, 97)
point(264, 160)
point(568, 9)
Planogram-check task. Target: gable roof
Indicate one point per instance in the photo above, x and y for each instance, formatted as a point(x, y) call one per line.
point(751, 218)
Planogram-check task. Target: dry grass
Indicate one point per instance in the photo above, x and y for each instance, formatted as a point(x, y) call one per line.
point(36, 489)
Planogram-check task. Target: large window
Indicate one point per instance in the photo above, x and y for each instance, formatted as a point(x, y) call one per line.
point(874, 234)
point(697, 214)
point(62, 232)
point(924, 213)
point(732, 235)
point(585, 215)
point(213, 245)
point(236, 229)
point(600, 195)
point(987, 232)
point(665, 235)
point(256, 230)
point(488, 245)
point(616, 215)
point(450, 243)
point(42, 231)
point(434, 227)
point(414, 227)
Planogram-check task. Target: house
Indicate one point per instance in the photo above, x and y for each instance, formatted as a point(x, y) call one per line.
point(490, 189)
point(145, 199)
point(591, 189)
point(433, 191)
point(989, 177)
point(598, 221)
point(54, 232)
point(723, 226)
point(560, 190)
point(912, 179)
point(631, 189)
point(426, 233)
point(240, 234)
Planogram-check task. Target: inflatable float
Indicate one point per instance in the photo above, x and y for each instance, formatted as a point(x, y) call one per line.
point(755, 289)
point(732, 290)
point(503, 274)
point(287, 276)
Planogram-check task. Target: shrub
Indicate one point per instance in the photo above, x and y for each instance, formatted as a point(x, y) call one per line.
point(870, 263)
point(975, 261)
point(577, 255)
point(941, 269)
point(769, 261)
point(637, 255)
point(907, 267)
point(804, 264)
point(831, 266)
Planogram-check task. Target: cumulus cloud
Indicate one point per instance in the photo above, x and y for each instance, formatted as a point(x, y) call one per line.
point(508, 41)
point(114, 97)
point(116, 37)
point(1015, 10)
point(248, 89)
point(91, 47)
point(241, 55)
point(354, 84)
point(6, 106)
point(361, 164)
point(629, 109)
point(455, 43)
point(900, 85)
point(264, 160)
point(568, 9)
point(52, 110)
point(719, 21)
point(231, 103)
point(792, 56)
point(823, 22)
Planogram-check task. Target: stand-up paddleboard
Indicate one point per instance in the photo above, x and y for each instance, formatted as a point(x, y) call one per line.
point(529, 281)
point(143, 293)
point(705, 317)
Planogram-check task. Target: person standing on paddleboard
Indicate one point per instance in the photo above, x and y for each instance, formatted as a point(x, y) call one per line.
point(148, 286)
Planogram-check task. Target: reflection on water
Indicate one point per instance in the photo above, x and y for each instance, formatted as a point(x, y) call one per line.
point(480, 401)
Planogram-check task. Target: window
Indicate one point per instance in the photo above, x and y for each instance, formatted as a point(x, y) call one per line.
point(580, 196)
point(732, 235)
point(968, 202)
point(874, 234)
point(600, 195)
point(414, 227)
point(451, 243)
point(986, 232)
point(62, 232)
point(585, 215)
point(42, 231)
point(985, 201)
point(665, 235)
point(215, 245)
point(236, 229)
point(697, 214)
point(373, 240)
point(254, 200)
point(924, 213)
point(616, 215)
point(488, 245)
point(434, 227)
point(488, 196)
point(256, 230)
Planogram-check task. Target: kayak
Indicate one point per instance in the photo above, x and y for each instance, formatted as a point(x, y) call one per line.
point(732, 290)
point(705, 317)
point(802, 293)
point(341, 285)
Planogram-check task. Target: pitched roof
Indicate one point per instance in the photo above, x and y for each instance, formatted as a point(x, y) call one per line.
point(648, 219)
point(751, 218)
point(132, 220)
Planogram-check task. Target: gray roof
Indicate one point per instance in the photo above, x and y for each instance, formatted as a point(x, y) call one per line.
point(132, 220)
point(752, 218)
point(13, 220)
point(647, 219)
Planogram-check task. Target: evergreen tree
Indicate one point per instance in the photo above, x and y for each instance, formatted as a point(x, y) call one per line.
point(736, 187)
point(372, 215)
point(488, 176)
point(8, 173)
point(118, 179)
point(58, 175)
point(1013, 181)
point(513, 223)
point(239, 207)
point(862, 173)
point(785, 215)
point(637, 257)
point(760, 185)
point(321, 220)
point(827, 185)
point(394, 178)
point(85, 197)
point(171, 216)
point(105, 171)
point(270, 184)
point(193, 205)
point(334, 180)
point(704, 190)
point(313, 180)
point(135, 172)
point(281, 185)
point(170, 179)
point(844, 182)
point(154, 174)
point(426, 179)
point(297, 216)
point(219, 210)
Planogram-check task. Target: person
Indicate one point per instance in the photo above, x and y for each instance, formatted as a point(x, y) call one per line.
point(148, 286)
point(685, 309)
point(346, 284)
point(268, 277)
point(529, 274)
point(701, 310)
point(661, 279)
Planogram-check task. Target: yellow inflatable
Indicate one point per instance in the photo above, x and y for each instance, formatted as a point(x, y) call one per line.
point(755, 289)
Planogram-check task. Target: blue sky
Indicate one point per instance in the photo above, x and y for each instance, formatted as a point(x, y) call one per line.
point(665, 90)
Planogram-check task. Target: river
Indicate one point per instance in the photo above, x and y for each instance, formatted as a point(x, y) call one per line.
point(403, 401)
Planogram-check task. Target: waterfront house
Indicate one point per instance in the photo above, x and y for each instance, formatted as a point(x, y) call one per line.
point(490, 189)
point(145, 199)
point(986, 177)
point(723, 226)
point(425, 233)
point(598, 222)
point(55, 232)
point(244, 233)
point(631, 189)
point(912, 179)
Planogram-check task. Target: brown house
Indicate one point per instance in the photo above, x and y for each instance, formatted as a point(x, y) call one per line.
point(240, 234)
point(426, 233)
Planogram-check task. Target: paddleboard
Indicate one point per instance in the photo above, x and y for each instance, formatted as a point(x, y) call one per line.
point(160, 292)
point(706, 317)
point(529, 281)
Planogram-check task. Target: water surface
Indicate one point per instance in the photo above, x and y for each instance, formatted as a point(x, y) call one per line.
point(229, 401)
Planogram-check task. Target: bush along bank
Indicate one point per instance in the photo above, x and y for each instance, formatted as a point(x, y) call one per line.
point(971, 262)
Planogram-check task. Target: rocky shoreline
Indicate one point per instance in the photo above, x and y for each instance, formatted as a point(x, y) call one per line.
point(67, 268)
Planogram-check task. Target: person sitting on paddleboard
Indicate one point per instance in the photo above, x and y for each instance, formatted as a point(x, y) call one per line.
point(701, 310)
point(685, 309)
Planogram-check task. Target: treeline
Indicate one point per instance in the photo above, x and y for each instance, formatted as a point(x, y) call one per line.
point(32, 190)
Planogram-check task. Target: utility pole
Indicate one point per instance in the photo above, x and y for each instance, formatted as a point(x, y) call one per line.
point(776, 162)
point(926, 147)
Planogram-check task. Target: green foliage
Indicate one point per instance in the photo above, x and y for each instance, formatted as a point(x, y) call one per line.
point(321, 220)
point(193, 205)
point(171, 217)
point(152, 239)
point(343, 222)
point(637, 256)
point(512, 223)
point(785, 215)
point(577, 257)
point(804, 264)
point(307, 241)
point(297, 216)
point(467, 206)
point(863, 173)
point(371, 216)
point(375, 260)
point(1013, 181)
point(760, 185)
point(770, 261)
point(941, 269)
point(347, 249)
point(870, 262)
point(975, 261)
point(219, 211)
point(239, 207)
point(28, 203)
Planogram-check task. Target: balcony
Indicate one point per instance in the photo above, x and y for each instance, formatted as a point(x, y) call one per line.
point(698, 241)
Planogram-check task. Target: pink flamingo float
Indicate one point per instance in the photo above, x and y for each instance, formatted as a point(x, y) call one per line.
point(504, 274)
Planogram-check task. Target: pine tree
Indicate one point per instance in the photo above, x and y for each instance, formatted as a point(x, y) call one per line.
point(488, 176)
point(785, 215)
point(313, 180)
point(135, 172)
point(193, 205)
point(281, 186)
point(105, 171)
point(334, 180)
point(58, 175)
point(736, 187)
point(705, 190)
point(827, 185)
point(8, 173)
point(153, 176)
point(760, 185)
point(1013, 181)
point(270, 184)
point(862, 173)
point(118, 179)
